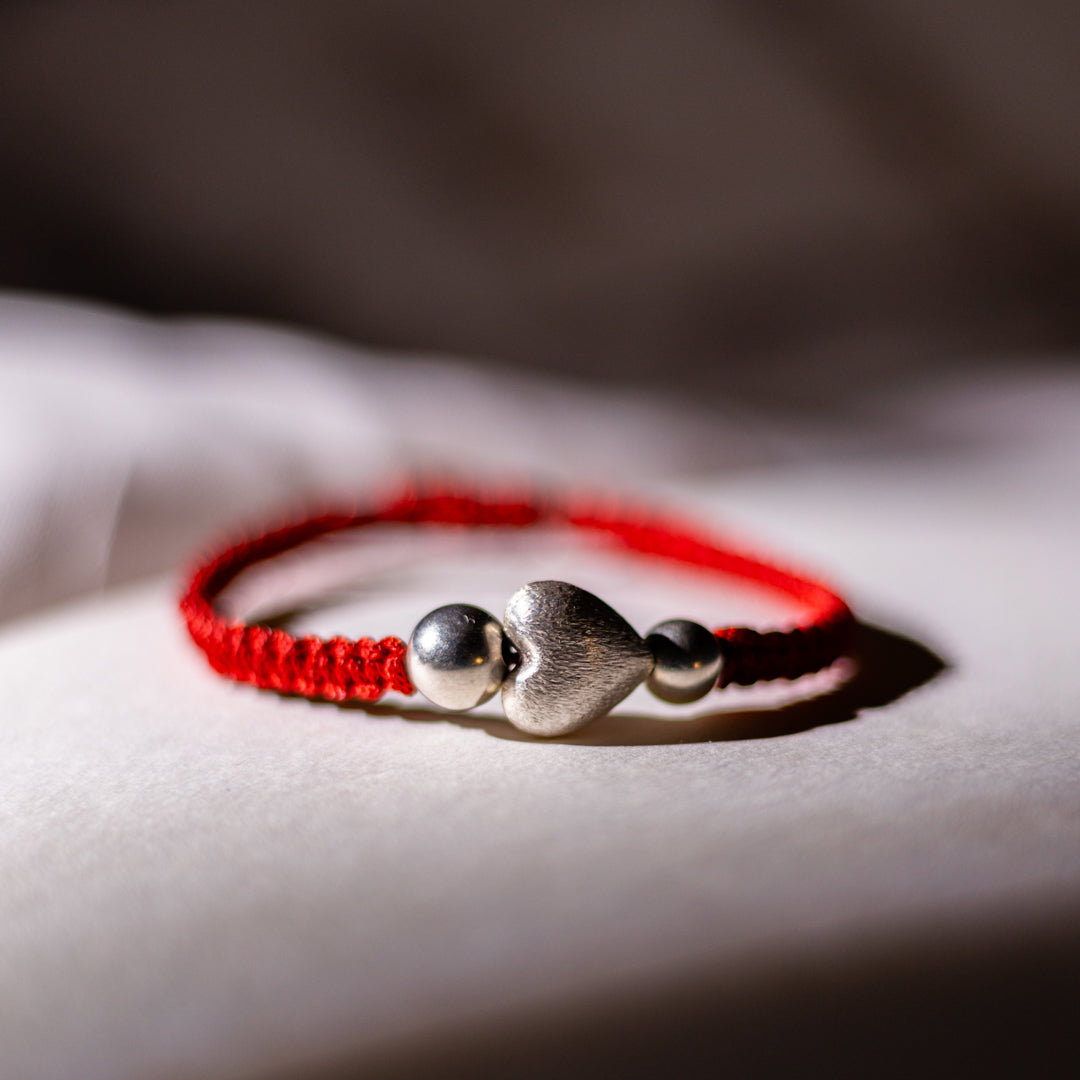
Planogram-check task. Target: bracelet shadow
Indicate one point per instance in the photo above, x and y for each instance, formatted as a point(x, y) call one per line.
point(886, 666)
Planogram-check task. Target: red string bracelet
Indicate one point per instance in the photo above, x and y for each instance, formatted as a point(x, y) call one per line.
point(561, 656)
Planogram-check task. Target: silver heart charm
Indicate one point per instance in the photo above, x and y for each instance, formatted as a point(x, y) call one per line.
point(579, 658)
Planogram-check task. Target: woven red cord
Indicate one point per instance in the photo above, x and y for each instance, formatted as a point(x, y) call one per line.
point(338, 669)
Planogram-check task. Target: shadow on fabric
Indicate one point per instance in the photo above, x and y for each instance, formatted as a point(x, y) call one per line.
point(990, 998)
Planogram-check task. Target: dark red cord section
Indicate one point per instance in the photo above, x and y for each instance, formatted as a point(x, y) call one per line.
point(339, 669)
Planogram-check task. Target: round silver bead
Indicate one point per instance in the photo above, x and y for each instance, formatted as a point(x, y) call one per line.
point(457, 656)
point(687, 661)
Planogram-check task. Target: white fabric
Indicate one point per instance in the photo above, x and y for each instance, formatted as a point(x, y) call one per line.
point(147, 438)
point(202, 880)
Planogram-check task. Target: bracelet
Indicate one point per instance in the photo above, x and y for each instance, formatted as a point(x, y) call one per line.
point(561, 656)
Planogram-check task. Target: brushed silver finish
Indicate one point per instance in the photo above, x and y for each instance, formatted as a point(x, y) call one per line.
point(688, 660)
point(457, 656)
point(579, 658)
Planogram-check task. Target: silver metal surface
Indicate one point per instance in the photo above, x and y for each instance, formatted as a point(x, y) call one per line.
point(579, 658)
point(688, 660)
point(457, 656)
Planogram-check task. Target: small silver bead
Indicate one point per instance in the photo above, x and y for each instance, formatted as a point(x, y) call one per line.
point(457, 656)
point(688, 661)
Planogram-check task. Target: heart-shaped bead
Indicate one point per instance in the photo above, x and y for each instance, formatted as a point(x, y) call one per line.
point(579, 658)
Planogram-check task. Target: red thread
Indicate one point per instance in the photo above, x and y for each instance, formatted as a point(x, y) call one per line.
point(338, 669)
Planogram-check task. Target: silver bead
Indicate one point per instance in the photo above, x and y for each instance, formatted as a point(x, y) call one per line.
point(457, 656)
point(687, 660)
point(579, 658)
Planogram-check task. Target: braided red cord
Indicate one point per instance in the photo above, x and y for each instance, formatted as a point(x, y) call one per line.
point(338, 669)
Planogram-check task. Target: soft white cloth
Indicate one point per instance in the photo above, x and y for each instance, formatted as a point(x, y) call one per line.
point(200, 880)
point(125, 444)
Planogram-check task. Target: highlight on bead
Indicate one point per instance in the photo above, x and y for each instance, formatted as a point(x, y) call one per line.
point(340, 669)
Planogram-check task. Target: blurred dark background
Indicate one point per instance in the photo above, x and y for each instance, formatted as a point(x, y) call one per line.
point(771, 196)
